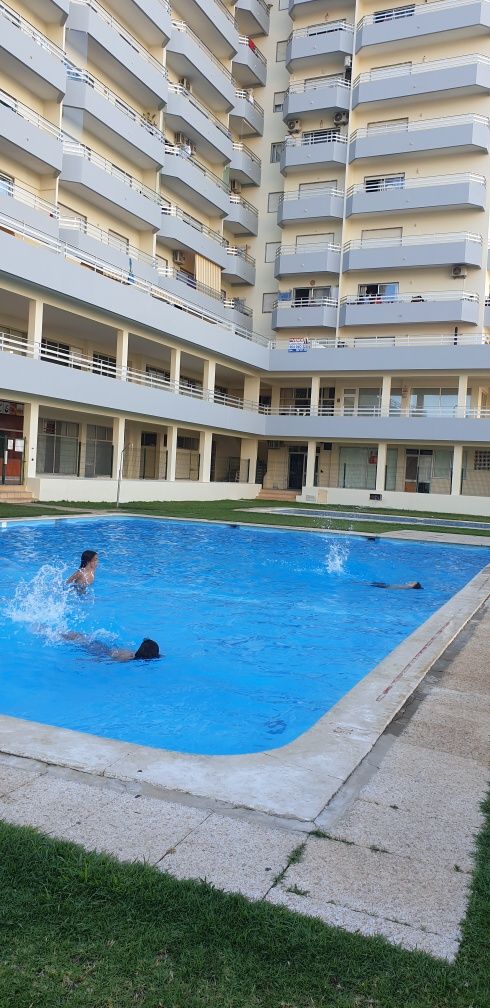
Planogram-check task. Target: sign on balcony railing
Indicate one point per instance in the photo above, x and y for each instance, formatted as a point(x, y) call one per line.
point(298, 345)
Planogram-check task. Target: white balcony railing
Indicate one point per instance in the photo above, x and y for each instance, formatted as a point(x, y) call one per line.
point(181, 26)
point(307, 249)
point(321, 29)
point(320, 193)
point(28, 197)
point(336, 80)
point(240, 94)
point(324, 302)
point(28, 29)
point(76, 149)
point(421, 124)
point(172, 210)
point(240, 253)
point(11, 103)
point(428, 296)
point(382, 185)
point(105, 238)
point(409, 69)
point(316, 137)
point(240, 201)
point(402, 341)
point(75, 74)
point(408, 240)
point(241, 147)
point(244, 40)
point(123, 33)
point(411, 10)
point(173, 150)
point(180, 89)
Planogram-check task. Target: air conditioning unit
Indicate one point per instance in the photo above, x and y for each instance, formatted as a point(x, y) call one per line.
point(458, 272)
point(293, 125)
point(185, 83)
point(341, 118)
point(178, 257)
point(236, 186)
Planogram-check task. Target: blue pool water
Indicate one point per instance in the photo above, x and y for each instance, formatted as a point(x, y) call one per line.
point(262, 630)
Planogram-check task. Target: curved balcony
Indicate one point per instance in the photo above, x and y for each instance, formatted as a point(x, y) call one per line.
point(148, 19)
point(428, 307)
point(245, 166)
point(50, 11)
point(109, 118)
point(180, 230)
point(212, 22)
point(252, 17)
point(413, 251)
point(185, 114)
point(243, 218)
point(249, 64)
point(310, 205)
point(247, 115)
point(96, 243)
point(104, 185)
point(415, 22)
point(450, 135)
point(186, 176)
point(26, 206)
point(188, 57)
point(117, 53)
point(301, 260)
point(28, 138)
point(401, 195)
point(240, 266)
point(29, 57)
point(319, 46)
point(305, 314)
point(458, 75)
point(308, 100)
point(323, 149)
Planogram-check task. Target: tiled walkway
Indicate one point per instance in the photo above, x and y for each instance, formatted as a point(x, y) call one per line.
point(392, 853)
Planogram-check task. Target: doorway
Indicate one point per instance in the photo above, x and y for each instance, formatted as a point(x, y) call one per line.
point(148, 456)
point(297, 466)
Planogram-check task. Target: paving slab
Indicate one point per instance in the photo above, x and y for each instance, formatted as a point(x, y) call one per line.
point(51, 804)
point(12, 777)
point(232, 855)
point(456, 736)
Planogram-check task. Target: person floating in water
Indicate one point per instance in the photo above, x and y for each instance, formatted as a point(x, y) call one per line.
point(147, 651)
point(402, 587)
point(85, 575)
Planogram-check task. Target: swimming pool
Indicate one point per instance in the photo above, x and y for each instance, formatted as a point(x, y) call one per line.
point(263, 630)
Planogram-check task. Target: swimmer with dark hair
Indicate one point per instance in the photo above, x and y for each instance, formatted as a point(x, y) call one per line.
point(85, 575)
point(403, 587)
point(147, 651)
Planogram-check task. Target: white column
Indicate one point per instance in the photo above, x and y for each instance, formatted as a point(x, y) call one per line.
point(457, 470)
point(310, 465)
point(31, 421)
point(248, 452)
point(462, 393)
point(385, 395)
point(209, 375)
point(251, 388)
point(35, 325)
point(118, 435)
point(171, 453)
point(381, 466)
point(122, 352)
point(205, 445)
point(175, 355)
point(315, 396)
point(275, 397)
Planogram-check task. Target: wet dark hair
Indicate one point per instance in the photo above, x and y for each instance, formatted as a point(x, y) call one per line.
point(86, 557)
point(148, 649)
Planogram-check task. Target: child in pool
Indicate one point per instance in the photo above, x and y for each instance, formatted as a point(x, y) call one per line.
point(85, 575)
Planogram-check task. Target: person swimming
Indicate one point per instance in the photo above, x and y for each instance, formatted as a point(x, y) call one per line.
point(85, 575)
point(147, 651)
point(402, 587)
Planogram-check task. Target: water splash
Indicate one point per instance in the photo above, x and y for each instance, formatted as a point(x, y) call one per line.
point(43, 602)
point(338, 554)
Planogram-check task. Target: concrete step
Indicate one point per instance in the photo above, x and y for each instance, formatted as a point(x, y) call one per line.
point(283, 495)
point(14, 494)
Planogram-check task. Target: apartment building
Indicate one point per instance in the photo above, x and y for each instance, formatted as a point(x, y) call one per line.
point(245, 245)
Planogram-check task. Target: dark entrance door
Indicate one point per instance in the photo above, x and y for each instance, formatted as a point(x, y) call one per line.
point(297, 461)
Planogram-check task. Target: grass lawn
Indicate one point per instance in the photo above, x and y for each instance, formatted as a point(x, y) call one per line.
point(79, 930)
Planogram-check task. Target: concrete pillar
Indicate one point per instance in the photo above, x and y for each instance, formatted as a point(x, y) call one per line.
point(122, 353)
point(171, 453)
point(205, 446)
point(457, 470)
point(248, 452)
point(251, 388)
point(385, 395)
point(35, 325)
point(381, 466)
point(310, 465)
point(315, 396)
point(275, 397)
point(31, 421)
point(175, 356)
point(118, 436)
point(82, 439)
point(208, 377)
point(462, 393)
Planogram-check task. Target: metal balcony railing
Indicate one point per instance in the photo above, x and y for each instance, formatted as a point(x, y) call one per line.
point(335, 80)
point(421, 124)
point(172, 210)
point(239, 146)
point(387, 185)
point(239, 200)
point(76, 149)
point(181, 26)
point(402, 341)
point(240, 253)
point(321, 29)
point(28, 29)
point(299, 194)
point(407, 240)
point(105, 238)
point(410, 298)
point(310, 247)
point(11, 103)
point(409, 69)
point(316, 137)
point(123, 33)
point(180, 89)
point(28, 197)
point(172, 150)
point(225, 11)
point(74, 73)
point(249, 96)
point(305, 302)
point(411, 10)
point(244, 40)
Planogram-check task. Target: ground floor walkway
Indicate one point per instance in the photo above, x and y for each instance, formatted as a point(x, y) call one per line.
point(391, 853)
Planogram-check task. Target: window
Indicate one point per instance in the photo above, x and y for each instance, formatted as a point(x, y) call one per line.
point(156, 374)
point(380, 235)
point(103, 364)
point(6, 184)
point(281, 51)
point(59, 353)
point(378, 292)
point(278, 101)
point(271, 250)
point(394, 14)
point(310, 188)
point(58, 448)
point(189, 443)
point(433, 400)
point(268, 302)
point(482, 460)
point(380, 183)
point(276, 149)
point(303, 241)
point(98, 451)
point(119, 241)
point(305, 295)
point(273, 200)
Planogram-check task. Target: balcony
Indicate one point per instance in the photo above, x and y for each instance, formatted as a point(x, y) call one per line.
point(310, 205)
point(247, 115)
point(308, 100)
point(240, 266)
point(27, 207)
point(461, 75)
point(30, 58)
point(106, 186)
point(186, 176)
point(317, 257)
point(96, 243)
point(243, 218)
point(212, 22)
point(459, 192)
point(149, 19)
point(245, 166)
point(238, 313)
point(413, 251)
point(428, 307)
point(29, 138)
point(450, 135)
point(392, 28)
point(109, 118)
point(249, 64)
point(305, 314)
point(117, 53)
point(323, 149)
point(319, 46)
point(188, 57)
point(252, 17)
point(310, 8)
point(50, 11)
point(180, 230)
point(185, 114)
